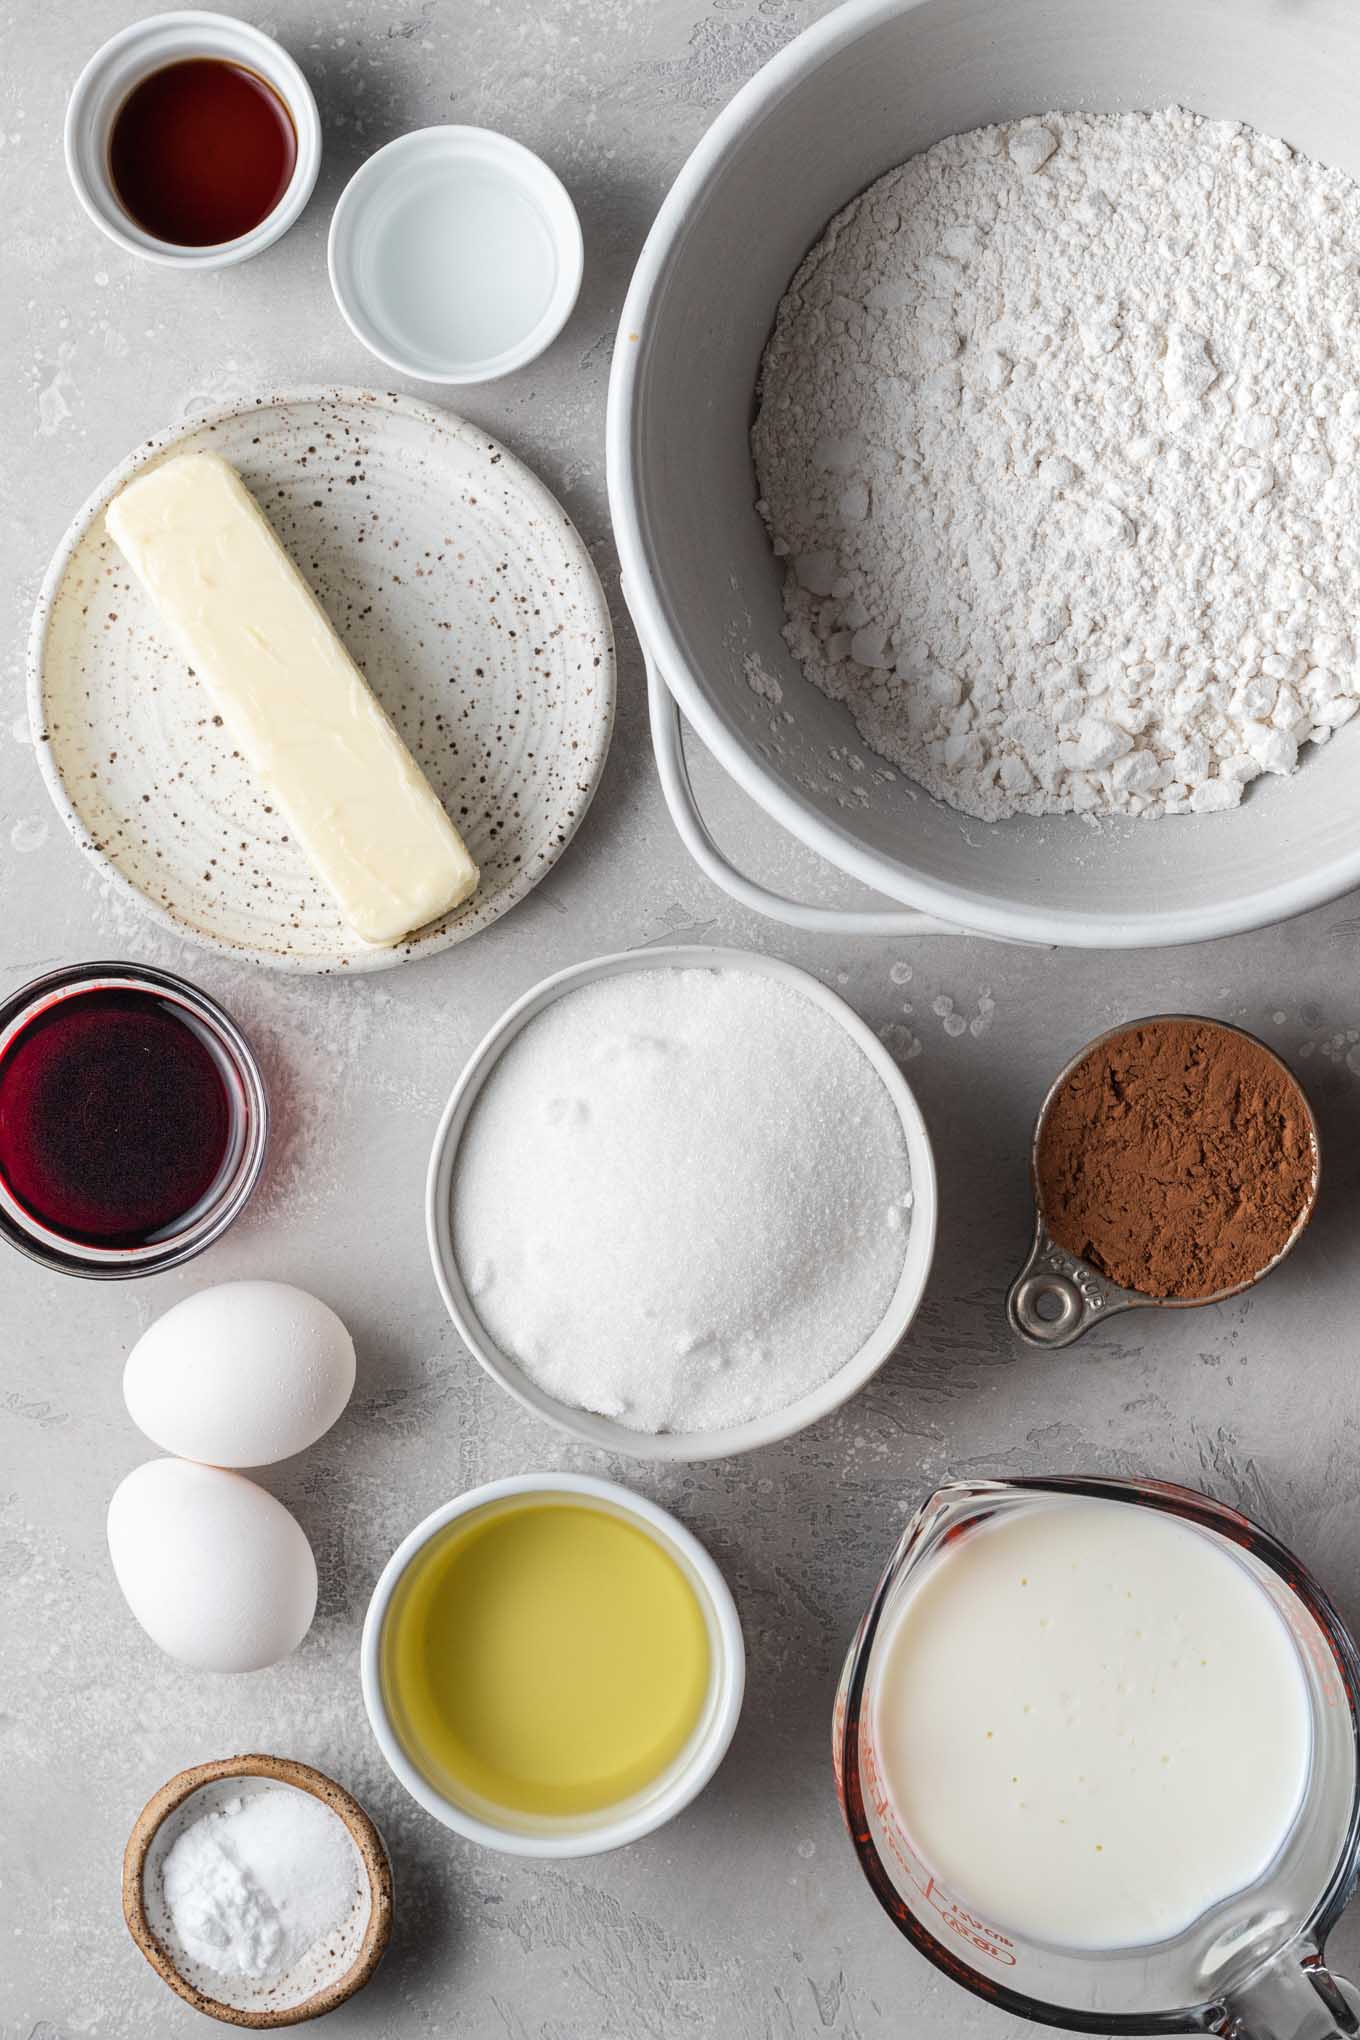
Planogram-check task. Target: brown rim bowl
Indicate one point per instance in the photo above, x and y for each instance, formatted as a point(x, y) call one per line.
point(364, 1835)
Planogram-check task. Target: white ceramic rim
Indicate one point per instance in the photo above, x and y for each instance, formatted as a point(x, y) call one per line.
point(793, 811)
point(589, 764)
point(525, 168)
point(729, 1672)
point(257, 52)
point(603, 1432)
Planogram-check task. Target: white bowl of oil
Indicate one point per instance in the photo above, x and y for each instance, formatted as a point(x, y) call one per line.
point(455, 254)
point(552, 1666)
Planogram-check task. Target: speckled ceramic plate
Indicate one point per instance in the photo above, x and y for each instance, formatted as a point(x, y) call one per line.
point(458, 584)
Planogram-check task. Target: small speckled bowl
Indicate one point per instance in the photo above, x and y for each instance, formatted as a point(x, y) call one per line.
point(163, 1818)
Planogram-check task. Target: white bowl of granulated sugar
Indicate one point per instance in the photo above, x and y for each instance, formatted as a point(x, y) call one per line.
point(681, 1202)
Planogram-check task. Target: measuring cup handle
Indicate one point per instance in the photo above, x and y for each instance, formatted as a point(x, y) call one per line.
point(1056, 1297)
point(1295, 1997)
point(1048, 1309)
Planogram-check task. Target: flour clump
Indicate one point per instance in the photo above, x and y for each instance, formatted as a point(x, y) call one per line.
point(1059, 440)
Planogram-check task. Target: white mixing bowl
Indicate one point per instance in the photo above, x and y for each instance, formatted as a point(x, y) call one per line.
point(875, 82)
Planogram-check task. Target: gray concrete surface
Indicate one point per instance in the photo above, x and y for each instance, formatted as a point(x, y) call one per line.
point(747, 1919)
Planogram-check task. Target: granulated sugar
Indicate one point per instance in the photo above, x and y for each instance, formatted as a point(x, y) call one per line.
point(1060, 438)
point(682, 1198)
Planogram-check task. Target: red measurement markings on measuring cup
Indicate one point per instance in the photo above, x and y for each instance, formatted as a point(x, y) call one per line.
point(986, 1940)
point(1315, 1644)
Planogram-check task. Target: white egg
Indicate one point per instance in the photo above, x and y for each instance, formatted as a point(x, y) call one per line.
point(240, 1375)
point(216, 1571)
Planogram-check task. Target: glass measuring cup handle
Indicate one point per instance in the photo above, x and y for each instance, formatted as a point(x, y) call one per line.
point(1056, 1296)
point(1295, 1997)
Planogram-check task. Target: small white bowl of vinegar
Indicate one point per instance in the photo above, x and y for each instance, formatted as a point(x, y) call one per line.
point(455, 254)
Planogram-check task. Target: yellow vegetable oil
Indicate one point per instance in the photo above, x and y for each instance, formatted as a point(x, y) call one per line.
point(546, 1655)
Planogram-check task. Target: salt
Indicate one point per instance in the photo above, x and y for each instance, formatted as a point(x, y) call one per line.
point(263, 1893)
point(682, 1198)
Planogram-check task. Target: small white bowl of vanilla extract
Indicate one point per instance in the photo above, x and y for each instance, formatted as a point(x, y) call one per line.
point(552, 1665)
point(192, 140)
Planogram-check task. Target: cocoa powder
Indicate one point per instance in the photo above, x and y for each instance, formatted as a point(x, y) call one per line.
point(1177, 1157)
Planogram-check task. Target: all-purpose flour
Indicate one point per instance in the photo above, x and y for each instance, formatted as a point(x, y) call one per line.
point(1060, 434)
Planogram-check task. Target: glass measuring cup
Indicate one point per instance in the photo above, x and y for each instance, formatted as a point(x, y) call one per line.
point(1058, 1296)
point(1251, 1967)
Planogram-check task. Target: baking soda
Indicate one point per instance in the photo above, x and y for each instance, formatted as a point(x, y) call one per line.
point(682, 1198)
point(262, 1897)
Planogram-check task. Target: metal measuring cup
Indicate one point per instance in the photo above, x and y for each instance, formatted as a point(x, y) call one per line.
point(1057, 1296)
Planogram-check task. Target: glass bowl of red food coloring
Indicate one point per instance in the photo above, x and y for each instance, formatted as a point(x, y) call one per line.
point(133, 1120)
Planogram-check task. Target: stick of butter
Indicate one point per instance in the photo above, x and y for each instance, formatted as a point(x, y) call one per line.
point(294, 701)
